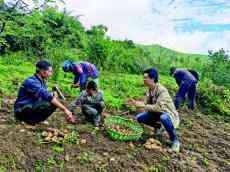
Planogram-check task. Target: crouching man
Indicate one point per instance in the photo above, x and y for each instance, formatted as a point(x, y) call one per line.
point(34, 103)
point(159, 108)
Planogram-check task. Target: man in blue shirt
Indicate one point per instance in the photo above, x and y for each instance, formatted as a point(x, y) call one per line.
point(187, 82)
point(35, 103)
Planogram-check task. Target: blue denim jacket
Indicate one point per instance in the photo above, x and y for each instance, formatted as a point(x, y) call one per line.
point(32, 90)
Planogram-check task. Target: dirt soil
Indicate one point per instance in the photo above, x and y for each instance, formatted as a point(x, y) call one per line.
point(205, 146)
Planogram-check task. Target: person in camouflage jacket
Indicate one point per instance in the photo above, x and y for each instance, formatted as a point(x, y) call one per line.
point(90, 103)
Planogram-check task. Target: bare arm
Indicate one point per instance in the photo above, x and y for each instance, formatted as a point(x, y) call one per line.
point(59, 105)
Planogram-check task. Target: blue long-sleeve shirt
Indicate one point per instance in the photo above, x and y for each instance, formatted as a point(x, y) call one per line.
point(32, 90)
point(183, 75)
point(82, 71)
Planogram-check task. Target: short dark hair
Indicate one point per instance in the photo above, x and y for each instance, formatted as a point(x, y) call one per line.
point(152, 73)
point(42, 65)
point(91, 85)
point(172, 70)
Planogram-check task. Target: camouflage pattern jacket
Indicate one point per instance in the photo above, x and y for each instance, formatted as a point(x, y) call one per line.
point(85, 99)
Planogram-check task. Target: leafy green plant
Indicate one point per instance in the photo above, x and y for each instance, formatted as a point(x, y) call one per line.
point(219, 64)
point(39, 166)
point(50, 162)
point(72, 138)
point(2, 169)
point(205, 162)
point(57, 148)
point(86, 157)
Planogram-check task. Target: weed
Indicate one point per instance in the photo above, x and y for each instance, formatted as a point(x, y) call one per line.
point(2, 169)
point(86, 157)
point(57, 148)
point(39, 166)
point(72, 138)
point(165, 158)
point(205, 162)
point(156, 168)
point(50, 162)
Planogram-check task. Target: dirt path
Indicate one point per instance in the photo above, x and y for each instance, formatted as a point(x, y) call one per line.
point(205, 147)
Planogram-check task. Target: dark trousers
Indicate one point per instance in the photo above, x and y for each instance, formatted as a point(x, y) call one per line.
point(188, 89)
point(35, 113)
point(92, 113)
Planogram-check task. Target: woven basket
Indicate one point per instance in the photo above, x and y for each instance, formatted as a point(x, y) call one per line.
point(136, 128)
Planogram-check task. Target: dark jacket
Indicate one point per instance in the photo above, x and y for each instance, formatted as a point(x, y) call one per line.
point(184, 75)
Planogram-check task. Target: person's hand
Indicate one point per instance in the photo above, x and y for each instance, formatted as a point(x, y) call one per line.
point(75, 85)
point(78, 109)
point(139, 104)
point(136, 103)
point(131, 102)
point(68, 112)
point(70, 117)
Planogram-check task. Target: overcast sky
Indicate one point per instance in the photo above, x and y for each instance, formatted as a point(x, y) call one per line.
point(193, 26)
point(185, 25)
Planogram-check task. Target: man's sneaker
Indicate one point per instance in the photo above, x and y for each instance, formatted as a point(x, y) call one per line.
point(176, 146)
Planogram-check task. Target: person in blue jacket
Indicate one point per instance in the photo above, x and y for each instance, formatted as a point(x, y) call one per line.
point(187, 82)
point(34, 103)
point(82, 72)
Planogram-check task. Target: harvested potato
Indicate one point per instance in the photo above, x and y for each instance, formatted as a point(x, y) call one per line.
point(48, 139)
point(121, 129)
point(50, 134)
point(54, 138)
point(44, 133)
point(131, 145)
point(65, 131)
point(55, 133)
point(83, 141)
point(153, 144)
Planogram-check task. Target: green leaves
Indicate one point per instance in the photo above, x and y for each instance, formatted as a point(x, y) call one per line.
point(219, 67)
point(72, 138)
